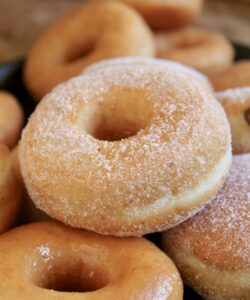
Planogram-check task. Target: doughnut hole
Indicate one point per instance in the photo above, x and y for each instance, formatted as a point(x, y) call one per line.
point(117, 115)
point(69, 276)
point(75, 54)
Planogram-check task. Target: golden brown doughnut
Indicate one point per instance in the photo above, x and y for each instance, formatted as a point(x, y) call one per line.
point(87, 34)
point(166, 14)
point(236, 103)
point(205, 50)
point(10, 190)
point(212, 250)
point(51, 261)
point(127, 149)
point(11, 119)
point(238, 75)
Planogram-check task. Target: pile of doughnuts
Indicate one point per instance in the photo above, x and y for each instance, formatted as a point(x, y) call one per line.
point(130, 136)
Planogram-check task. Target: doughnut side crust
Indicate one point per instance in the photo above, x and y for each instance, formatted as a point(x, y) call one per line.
point(148, 182)
point(11, 119)
point(87, 34)
point(236, 103)
point(212, 249)
point(162, 14)
point(10, 190)
point(205, 50)
point(48, 256)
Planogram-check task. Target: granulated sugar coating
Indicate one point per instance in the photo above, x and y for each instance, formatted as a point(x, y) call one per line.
point(126, 149)
point(142, 61)
point(212, 250)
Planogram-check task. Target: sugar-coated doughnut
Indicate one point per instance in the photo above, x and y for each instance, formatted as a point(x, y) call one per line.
point(166, 14)
point(127, 149)
point(236, 103)
point(205, 50)
point(10, 190)
point(212, 250)
point(87, 34)
point(52, 261)
point(238, 75)
point(11, 119)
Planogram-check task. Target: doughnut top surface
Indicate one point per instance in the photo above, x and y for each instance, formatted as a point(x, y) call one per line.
point(126, 149)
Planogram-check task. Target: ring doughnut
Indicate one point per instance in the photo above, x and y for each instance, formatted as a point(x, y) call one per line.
point(90, 162)
point(167, 14)
point(212, 250)
point(54, 262)
point(236, 103)
point(10, 190)
point(205, 50)
point(238, 75)
point(89, 33)
point(10, 109)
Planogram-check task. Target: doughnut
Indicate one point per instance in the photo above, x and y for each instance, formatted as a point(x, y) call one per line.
point(127, 149)
point(238, 75)
point(205, 50)
point(167, 14)
point(52, 261)
point(212, 250)
point(87, 34)
point(10, 190)
point(10, 109)
point(236, 103)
